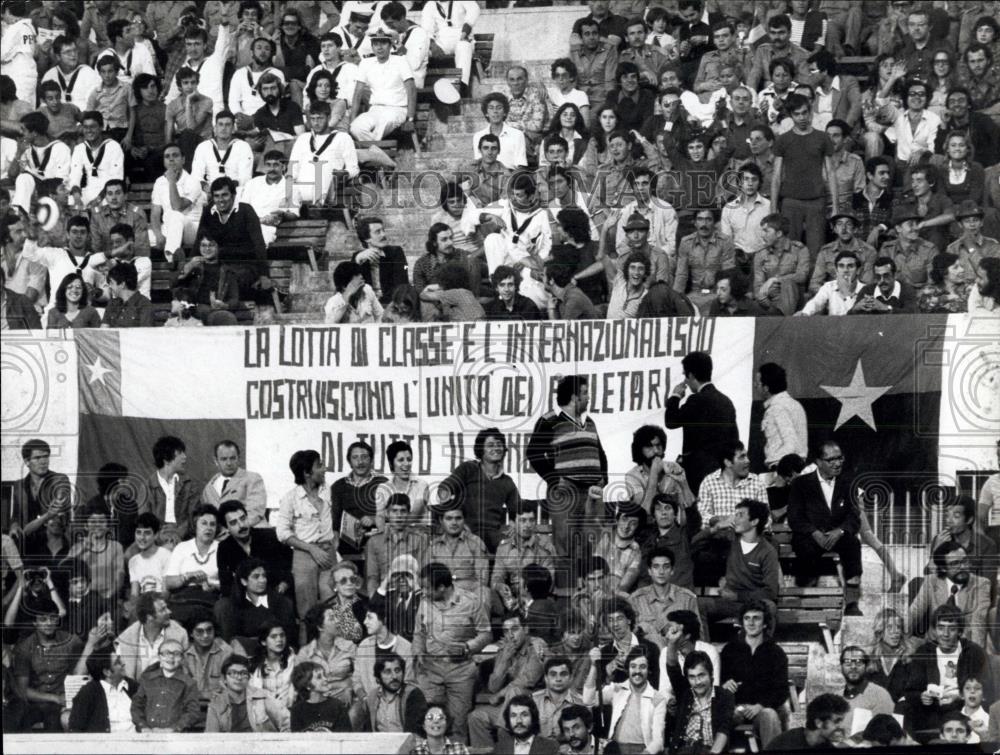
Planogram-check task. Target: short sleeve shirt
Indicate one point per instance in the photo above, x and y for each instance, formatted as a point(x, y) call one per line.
point(803, 156)
point(386, 80)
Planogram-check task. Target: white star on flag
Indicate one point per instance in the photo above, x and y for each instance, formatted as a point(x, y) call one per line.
point(857, 398)
point(97, 371)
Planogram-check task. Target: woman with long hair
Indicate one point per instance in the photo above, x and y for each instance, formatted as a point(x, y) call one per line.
point(947, 290)
point(890, 652)
point(960, 178)
point(437, 727)
point(271, 666)
point(323, 88)
point(943, 76)
point(569, 123)
point(606, 123)
point(72, 308)
point(355, 301)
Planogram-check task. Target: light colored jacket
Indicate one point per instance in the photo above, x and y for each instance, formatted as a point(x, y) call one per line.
point(244, 486)
point(652, 710)
point(264, 712)
point(127, 645)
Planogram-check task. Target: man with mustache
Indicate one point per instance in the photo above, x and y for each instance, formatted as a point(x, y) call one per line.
point(953, 584)
point(246, 541)
point(394, 705)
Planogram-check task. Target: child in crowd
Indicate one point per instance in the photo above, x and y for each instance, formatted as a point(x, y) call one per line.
point(189, 117)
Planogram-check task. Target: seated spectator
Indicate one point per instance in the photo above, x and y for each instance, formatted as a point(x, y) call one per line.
point(521, 728)
point(149, 136)
point(395, 537)
point(436, 728)
point(72, 308)
point(204, 657)
point(115, 210)
point(393, 93)
point(403, 595)
point(41, 662)
point(654, 602)
point(192, 576)
point(516, 671)
point(223, 155)
point(399, 457)
point(330, 153)
point(377, 255)
point(496, 108)
point(509, 304)
point(403, 306)
point(393, 704)
point(44, 162)
point(74, 81)
point(570, 123)
point(960, 178)
point(240, 707)
point(700, 257)
point(244, 87)
point(211, 286)
point(236, 228)
point(344, 75)
point(280, 114)
point(103, 556)
point(733, 297)
point(630, 286)
point(955, 729)
point(930, 696)
point(210, 66)
point(954, 584)
point(564, 92)
point(824, 729)
point(95, 161)
point(979, 719)
point(121, 249)
point(632, 690)
point(621, 620)
point(272, 664)
point(463, 552)
point(947, 290)
point(331, 649)
point(64, 117)
point(315, 708)
point(347, 600)
point(240, 615)
point(104, 703)
point(619, 549)
point(755, 669)
point(175, 223)
point(960, 518)
point(882, 731)
point(355, 301)
point(127, 308)
point(147, 567)
point(984, 298)
point(188, 116)
point(705, 711)
point(668, 529)
point(860, 692)
point(781, 269)
point(454, 302)
point(890, 653)
point(838, 296)
point(115, 101)
point(632, 104)
point(888, 294)
point(167, 698)
point(379, 642)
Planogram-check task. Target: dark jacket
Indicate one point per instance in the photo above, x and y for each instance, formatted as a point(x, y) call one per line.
point(523, 309)
point(905, 303)
point(241, 242)
point(923, 670)
point(539, 745)
point(984, 134)
point(393, 271)
point(163, 702)
point(137, 312)
point(709, 421)
point(762, 675)
point(723, 710)
point(264, 546)
point(414, 708)
point(808, 512)
point(185, 499)
point(238, 618)
point(20, 313)
point(90, 707)
point(652, 652)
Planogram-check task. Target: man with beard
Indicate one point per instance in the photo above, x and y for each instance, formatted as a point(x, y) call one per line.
point(779, 45)
point(394, 705)
point(638, 711)
point(652, 476)
point(245, 97)
point(952, 584)
point(886, 295)
point(321, 158)
point(522, 729)
point(859, 692)
point(268, 196)
point(576, 726)
point(383, 266)
point(245, 542)
point(982, 132)
point(278, 113)
point(938, 672)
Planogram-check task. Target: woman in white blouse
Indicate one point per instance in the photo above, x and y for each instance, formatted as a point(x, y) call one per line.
point(399, 457)
point(192, 574)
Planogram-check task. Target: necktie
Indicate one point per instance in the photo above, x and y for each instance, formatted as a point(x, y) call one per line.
point(951, 600)
point(225, 484)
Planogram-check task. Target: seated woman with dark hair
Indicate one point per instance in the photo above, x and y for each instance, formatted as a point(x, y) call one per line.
point(72, 308)
point(569, 123)
point(272, 664)
point(355, 301)
point(948, 290)
point(252, 604)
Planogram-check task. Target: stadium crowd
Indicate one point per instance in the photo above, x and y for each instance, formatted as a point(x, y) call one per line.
point(684, 157)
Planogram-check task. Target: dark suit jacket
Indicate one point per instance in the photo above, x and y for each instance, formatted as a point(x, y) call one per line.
point(923, 670)
point(185, 499)
point(90, 707)
point(808, 512)
point(709, 421)
point(21, 313)
point(393, 270)
point(539, 745)
point(905, 303)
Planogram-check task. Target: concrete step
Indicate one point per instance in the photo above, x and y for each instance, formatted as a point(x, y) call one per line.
point(298, 318)
point(313, 301)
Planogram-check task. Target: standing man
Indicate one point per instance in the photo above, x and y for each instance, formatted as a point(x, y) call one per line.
point(452, 626)
point(171, 493)
point(304, 522)
point(708, 418)
point(233, 483)
point(784, 422)
point(41, 495)
point(565, 450)
point(823, 519)
point(393, 94)
point(595, 62)
point(742, 216)
point(800, 155)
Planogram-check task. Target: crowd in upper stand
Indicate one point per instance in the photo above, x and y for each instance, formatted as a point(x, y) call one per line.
point(741, 157)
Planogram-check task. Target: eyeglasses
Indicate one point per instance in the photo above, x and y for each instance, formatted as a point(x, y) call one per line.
point(435, 717)
point(854, 662)
point(345, 581)
point(171, 653)
point(833, 459)
point(238, 674)
point(917, 93)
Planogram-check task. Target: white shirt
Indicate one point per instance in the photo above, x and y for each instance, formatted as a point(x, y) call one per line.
point(169, 488)
point(148, 572)
point(346, 77)
point(185, 558)
point(8, 151)
point(119, 707)
point(82, 164)
point(59, 262)
point(828, 300)
point(386, 80)
point(513, 153)
point(338, 154)
point(58, 166)
point(137, 60)
point(907, 139)
point(536, 236)
point(210, 162)
point(523, 747)
point(210, 72)
point(78, 85)
point(362, 44)
point(143, 269)
point(662, 225)
point(243, 95)
point(266, 198)
point(557, 99)
point(827, 487)
point(372, 7)
point(435, 17)
point(188, 187)
point(947, 664)
point(418, 50)
point(823, 112)
point(17, 52)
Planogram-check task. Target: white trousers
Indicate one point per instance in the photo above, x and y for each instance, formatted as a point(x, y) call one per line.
point(498, 252)
point(450, 42)
point(24, 190)
point(270, 233)
point(178, 230)
point(380, 120)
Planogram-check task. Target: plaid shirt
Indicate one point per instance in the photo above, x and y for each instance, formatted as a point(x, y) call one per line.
point(718, 498)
